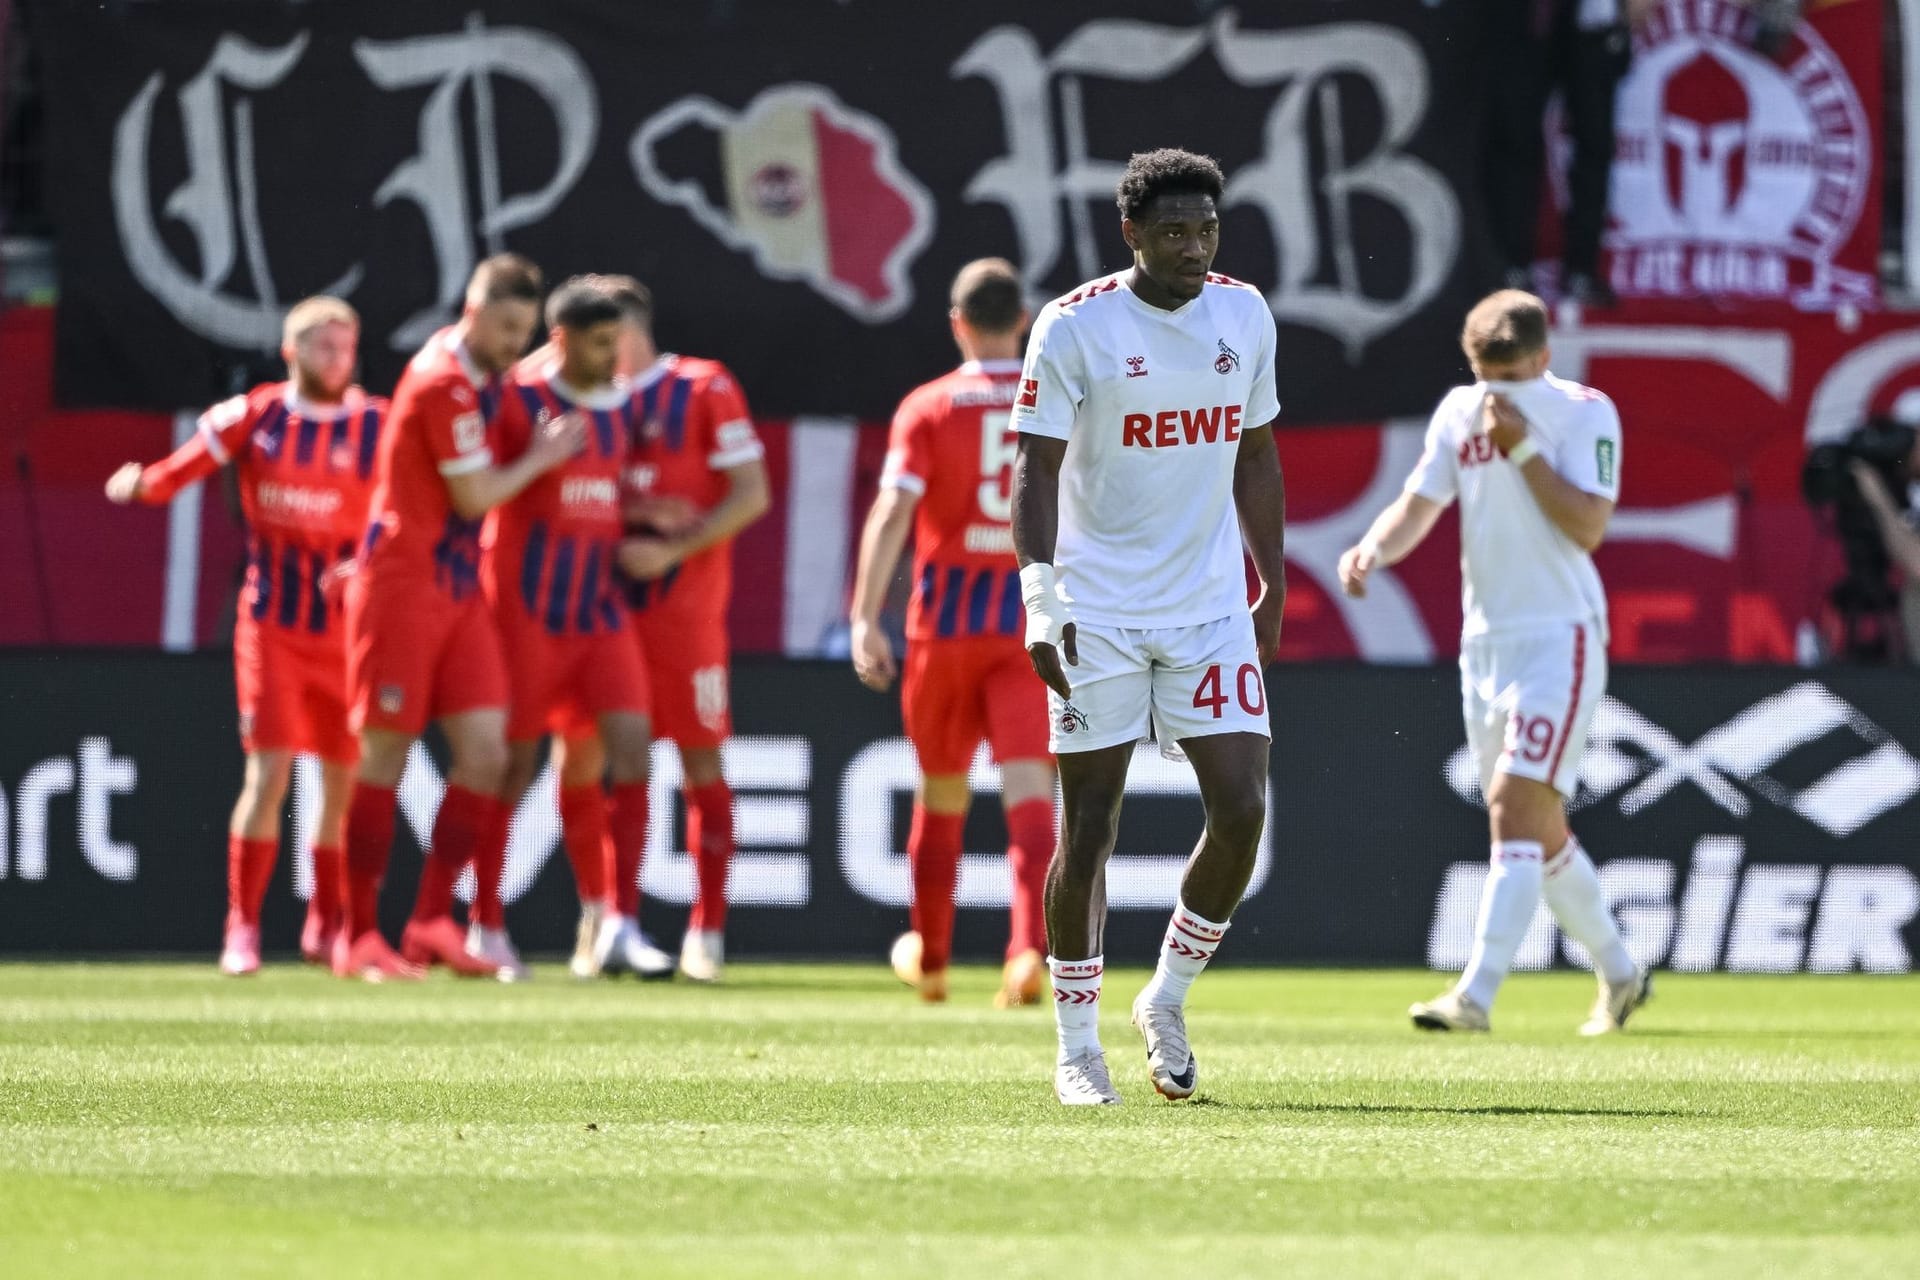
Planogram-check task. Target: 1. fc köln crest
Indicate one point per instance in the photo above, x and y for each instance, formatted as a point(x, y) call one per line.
point(1739, 176)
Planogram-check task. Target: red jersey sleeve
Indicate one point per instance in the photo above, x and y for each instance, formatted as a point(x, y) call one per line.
point(219, 437)
point(727, 431)
point(909, 461)
point(456, 430)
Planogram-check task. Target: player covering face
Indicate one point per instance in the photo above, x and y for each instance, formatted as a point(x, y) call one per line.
point(1146, 453)
point(1534, 462)
point(946, 483)
point(302, 451)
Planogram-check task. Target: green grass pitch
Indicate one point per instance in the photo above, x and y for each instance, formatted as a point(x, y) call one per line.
point(156, 1120)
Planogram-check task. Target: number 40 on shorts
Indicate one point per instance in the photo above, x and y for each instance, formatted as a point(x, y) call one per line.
point(1211, 696)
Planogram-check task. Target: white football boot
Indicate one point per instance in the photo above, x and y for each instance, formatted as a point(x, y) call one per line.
point(585, 963)
point(1450, 1012)
point(1170, 1061)
point(1082, 1081)
point(1616, 1003)
point(497, 949)
point(703, 955)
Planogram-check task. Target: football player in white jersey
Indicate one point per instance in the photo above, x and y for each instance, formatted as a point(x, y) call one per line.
point(1145, 411)
point(1534, 462)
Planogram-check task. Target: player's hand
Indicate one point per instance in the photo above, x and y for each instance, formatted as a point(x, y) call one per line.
point(644, 559)
point(1503, 422)
point(873, 657)
point(123, 486)
point(1267, 613)
point(560, 439)
point(1355, 565)
point(667, 514)
point(1046, 660)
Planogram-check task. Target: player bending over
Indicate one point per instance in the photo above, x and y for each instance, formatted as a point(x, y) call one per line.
point(421, 640)
point(303, 452)
point(1145, 414)
point(947, 479)
point(1534, 461)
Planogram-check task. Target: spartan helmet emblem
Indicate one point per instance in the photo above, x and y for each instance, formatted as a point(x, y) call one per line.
point(1704, 115)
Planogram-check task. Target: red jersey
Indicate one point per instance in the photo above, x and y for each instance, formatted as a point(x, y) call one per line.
point(691, 427)
point(953, 446)
point(438, 428)
point(552, 551)
point(305, 473)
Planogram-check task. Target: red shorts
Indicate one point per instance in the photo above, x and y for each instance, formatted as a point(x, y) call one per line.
point(957, 692)
point(563, 683)
point(414, 656)
point(688, 680)
point(292, 690)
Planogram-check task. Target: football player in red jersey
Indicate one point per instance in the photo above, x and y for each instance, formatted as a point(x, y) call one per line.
point(949, 462)
point(697, 481)
point(549, 573)
point(421, 640)
point(303, 452)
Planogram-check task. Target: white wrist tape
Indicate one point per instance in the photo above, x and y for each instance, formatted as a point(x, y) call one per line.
point(1047, 613)
point(1524, 452)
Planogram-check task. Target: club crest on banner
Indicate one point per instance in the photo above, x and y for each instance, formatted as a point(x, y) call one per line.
point(1737, 175)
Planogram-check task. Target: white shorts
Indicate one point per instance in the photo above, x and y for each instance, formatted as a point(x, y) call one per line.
point(1183, 682)
point(1529, 701)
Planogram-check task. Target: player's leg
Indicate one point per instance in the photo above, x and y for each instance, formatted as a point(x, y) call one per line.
point(253, 845)
point(326, 910)
point(628, 738)
point(487, 937)
point(1092, 784)
point(390, 649)
point(1016, 708)
point(470, 811)
point(581, 762)
point(945, 715)
point(1026, 793)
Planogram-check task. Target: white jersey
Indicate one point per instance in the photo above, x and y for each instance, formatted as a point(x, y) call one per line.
point(1518, 571)
point(1152, 404)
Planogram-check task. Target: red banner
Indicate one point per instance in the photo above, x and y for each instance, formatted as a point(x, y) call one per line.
point(1743, 175)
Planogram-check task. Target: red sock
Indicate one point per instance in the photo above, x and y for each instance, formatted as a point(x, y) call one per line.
point(458, 829)
point(249, 868)
point(934, 845)
point(1030, 841)
point(369, 841)
point(489, 864)
point(710, 837)
point(627, 833)
point(329, 881)
point(583, 830)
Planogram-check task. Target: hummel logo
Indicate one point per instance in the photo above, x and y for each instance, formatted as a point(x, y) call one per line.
point(1136, 366)
point(1643, 763)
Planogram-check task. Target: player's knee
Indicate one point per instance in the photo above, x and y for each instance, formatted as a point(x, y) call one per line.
point(481, 765)
point(629, 761)
point(1088, 834)
point(1235, 821)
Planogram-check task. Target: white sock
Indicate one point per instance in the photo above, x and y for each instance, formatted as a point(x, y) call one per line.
point(1507, 905)
point(1076, 1004)
point(1190, 942)
point(1573, 895)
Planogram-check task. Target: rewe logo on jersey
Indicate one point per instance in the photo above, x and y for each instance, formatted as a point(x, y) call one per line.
point(1172, 427)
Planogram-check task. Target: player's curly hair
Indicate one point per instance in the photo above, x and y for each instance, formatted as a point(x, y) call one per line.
point(1166, 171)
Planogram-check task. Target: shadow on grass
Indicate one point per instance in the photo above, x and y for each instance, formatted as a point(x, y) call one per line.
point(1766, 1033)
point(1491, 1109)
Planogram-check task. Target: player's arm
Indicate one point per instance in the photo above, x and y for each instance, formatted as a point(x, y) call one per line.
point(1036, 527)
point(749, 496)
point(1902, 543)
point(882, 540)
point(1580, 514)
point(1260, 498)
point(475, 490)
point(1391, 538)
point(220, 432)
